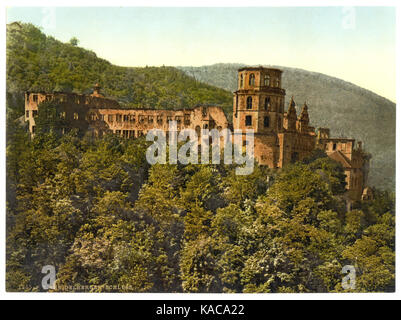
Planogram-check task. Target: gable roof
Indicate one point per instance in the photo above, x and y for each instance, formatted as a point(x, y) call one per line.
point(340, 157)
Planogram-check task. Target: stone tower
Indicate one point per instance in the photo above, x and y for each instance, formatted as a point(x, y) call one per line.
point(259, 100)
point(259, 105)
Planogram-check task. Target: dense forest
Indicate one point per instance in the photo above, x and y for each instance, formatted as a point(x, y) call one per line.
point(37, 62)
point(109, 222)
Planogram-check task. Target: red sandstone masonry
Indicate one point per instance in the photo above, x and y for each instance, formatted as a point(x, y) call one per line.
point(258, 104)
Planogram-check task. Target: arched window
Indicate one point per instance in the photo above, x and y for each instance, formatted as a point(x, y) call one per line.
point(267, 122)
point(251, 79)
point(267, 103)
point(249, 103)
point(267, 80)
point(241, 81)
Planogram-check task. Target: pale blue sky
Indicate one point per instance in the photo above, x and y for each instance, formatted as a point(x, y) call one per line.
point(359, 48)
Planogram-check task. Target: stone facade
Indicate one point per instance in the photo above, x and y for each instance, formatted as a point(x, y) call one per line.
point(281, 137)
point(352, 157)
point(100, 115)
point(284, 137)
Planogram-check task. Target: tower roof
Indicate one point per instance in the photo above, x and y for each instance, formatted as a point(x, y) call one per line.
point(291, 108)
point(260, 68)
point(304, 113)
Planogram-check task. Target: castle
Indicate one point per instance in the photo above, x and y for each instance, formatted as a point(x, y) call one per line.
point(280, 137)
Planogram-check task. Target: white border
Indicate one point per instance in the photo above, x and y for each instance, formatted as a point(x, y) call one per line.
point(193, 3)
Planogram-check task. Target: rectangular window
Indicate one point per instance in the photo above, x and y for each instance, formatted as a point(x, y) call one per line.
point(159, 119)
point(178, 119)
point(62, 115)
point(34, 113)
point(76, 117)
point(150, 119)
point(33, 129)
point(35, 98)
point(126, 118)
point(187, 119)
point(267, 122)
point(132, 118)
point(110, 118)
point(119, 117)
point(118, 132)
point(248, 121)
point(27, 114)
point(141, 119)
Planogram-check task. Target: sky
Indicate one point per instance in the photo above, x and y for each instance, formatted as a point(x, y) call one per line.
point(356, 44)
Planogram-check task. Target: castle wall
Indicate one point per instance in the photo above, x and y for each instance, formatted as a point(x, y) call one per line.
point(267, 150)
point(137, 122)
point(258, 104)
point(101, 114)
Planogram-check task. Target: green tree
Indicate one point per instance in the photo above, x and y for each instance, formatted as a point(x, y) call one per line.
point(74, 41)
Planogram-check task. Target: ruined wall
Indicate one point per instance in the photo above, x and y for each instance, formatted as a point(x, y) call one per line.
point(137, 122)
point(105, 115)
point(258, 104)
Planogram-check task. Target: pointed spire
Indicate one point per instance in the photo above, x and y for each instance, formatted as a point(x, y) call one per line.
point(292, 102)
point(305, 107)
point(304, 116)
point(291, 108)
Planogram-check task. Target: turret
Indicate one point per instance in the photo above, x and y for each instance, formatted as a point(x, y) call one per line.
point(96, 91)
point(259, 100)
point(290, 121)
point(303, 120)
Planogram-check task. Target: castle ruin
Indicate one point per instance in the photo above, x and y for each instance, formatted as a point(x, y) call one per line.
point(281, 137)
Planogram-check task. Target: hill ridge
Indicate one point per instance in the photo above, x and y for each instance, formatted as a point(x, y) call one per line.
point(347, 109)
point(36, 61)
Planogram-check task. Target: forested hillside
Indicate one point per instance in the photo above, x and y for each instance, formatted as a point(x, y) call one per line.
point(41, 63)
point(348, 110)
point(108, 221)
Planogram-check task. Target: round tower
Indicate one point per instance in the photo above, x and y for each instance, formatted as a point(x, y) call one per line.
point(259, 100)
point(259, 106)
